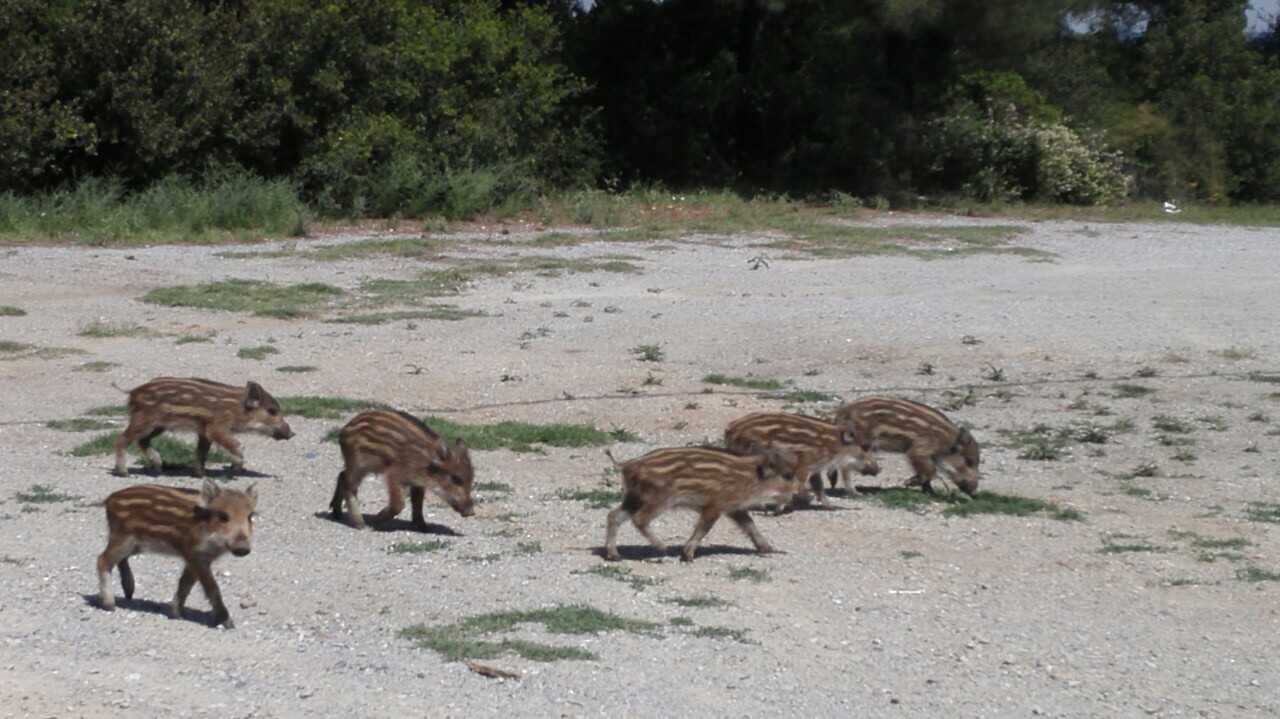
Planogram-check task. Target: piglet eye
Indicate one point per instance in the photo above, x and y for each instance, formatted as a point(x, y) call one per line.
point(223, 517)
point(273, 411)
point(456, 479)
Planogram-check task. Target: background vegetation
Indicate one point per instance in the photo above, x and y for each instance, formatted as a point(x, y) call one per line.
point(229, 112)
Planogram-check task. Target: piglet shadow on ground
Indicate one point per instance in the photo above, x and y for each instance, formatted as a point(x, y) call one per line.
point(393, 525)
point(807, 507)
point(637, 552)
point(868, 489)
point(149, 606)
point(188, 472)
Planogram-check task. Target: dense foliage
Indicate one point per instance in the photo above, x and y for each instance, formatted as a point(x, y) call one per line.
point(416, 107)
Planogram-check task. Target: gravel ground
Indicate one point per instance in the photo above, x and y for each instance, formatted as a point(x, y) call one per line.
point(870, 611)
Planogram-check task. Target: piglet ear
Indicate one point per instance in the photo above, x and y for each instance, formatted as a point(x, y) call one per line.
point(252, 493)
point(762, 471)
point(442, 452)
point(208, 491)
point(253, 395)
point(460, 444)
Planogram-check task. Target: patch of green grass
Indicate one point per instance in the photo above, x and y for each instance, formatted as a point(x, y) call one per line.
point(1236, 353)
point(1090, 433)
point(264, 299)
point(193, 338)
point(1211, 557)
point(500, 487)
point(103, 328)
point(1130, 391)
point(1175, 440)
point(410, 248)
point(1210, 543)
point(102, 444)
point(620, 574)
point(174, 453)
point(992, 503)
point(910, 554)
point(748, 382)
point(823, 239)
point(801, 396)
point(434, 312)
point(1184, 455)
point(526, 549)
point(257, 353)
point(558, 239)
point(1170, 425)
point(97, 366)
point(1146, 469)
point(1256, 574)
point(466, 639)
point(1213, 422)
point(482, 558)
point(595, 498)
point(697, 602)
point(297, 368)
point(911, 500)
point(755, 576)
point(11, 346)
point(1039, 442)
point(417, 547)
point(110, 410)
point(737, 635)
point(79, 424)
point(1263, 512)
point(1136, 491)
point(1110, 547)
point(1184, 582)
point(11, 311)
point(648, 353)
point(313, 407)
point(1146, 372)
point(953, 400)
point(521, 436)
point(43, 494)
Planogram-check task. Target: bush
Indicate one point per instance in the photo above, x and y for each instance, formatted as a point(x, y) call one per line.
point(1008, 145)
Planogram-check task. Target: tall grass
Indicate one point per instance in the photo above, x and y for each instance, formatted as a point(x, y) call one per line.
point(409, 187)
point(102, 212)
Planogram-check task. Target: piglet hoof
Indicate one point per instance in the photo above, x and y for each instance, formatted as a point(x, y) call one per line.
point(686, 556)
point(612, 556)
point(226, 624)
point(108, 604)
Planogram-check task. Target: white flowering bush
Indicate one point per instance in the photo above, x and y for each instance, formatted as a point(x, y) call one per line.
point(998, 154)
point(1076, 171)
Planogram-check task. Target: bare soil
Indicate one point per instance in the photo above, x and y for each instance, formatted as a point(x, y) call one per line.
point(1161, 601)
